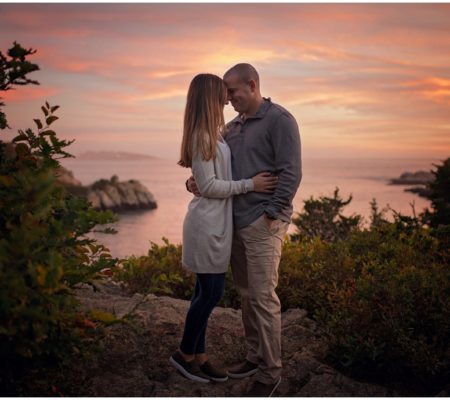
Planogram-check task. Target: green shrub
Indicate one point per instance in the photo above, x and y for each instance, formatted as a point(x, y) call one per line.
point(14, 68)
point(323, 218)
point(44, 251)
point(159, 272)
point(439, 196)
point(383, 296)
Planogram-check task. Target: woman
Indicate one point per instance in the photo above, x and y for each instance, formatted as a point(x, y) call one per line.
point(208, 229)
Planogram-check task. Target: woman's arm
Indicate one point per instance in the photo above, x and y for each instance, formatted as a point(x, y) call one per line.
point(210, 186)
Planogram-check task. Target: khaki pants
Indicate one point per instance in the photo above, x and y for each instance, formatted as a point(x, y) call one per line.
point(255, 258)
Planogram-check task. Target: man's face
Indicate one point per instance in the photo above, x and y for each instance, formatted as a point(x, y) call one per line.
point(239, 93)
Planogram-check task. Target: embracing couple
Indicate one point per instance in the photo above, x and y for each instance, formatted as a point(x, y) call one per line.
point(244, 178)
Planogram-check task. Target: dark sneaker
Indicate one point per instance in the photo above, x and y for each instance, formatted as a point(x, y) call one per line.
point(213, 373)
point(243, 370)
point(260, 389)
point(188, 369)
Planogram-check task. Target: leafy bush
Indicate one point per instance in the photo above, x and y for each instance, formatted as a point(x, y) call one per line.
point(323, 218)
point(44, 252)
point(160, 273)
point(382, 295)
point(439, 196)
point(14, 68)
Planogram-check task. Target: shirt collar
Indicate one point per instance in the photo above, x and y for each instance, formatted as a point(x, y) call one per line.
point(259, 114)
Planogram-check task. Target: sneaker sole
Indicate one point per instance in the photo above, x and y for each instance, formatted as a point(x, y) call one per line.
point(187, 374)
point(243, 374)
point(219, 379)
point(275, 388)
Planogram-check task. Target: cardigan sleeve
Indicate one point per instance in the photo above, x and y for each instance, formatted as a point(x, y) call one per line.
point(211, 187)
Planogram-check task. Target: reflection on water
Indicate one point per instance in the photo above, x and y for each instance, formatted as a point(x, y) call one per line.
point(364, 179)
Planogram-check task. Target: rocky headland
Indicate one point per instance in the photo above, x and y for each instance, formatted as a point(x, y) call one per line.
point(413, 178)
point(422, 178)
point(110, 194)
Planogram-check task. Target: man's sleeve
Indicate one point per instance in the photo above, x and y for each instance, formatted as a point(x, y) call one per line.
point(286, 144)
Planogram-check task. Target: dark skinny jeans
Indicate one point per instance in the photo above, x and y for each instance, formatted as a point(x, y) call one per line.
point(209, 289)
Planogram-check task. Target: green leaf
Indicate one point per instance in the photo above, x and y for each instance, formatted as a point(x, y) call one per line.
point(51, 119)
point(20, 137)
point(38, 123)
point(47, 105)
point(54, 108)
point(54, 140)
point(44, 110)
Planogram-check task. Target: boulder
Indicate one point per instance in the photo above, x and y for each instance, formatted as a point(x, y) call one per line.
point(113, 193)
point(94, 198)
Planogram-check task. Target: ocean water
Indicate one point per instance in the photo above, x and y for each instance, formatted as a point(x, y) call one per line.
point(364, 179)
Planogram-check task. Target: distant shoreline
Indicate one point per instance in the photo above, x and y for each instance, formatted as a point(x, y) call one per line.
point(113, 156)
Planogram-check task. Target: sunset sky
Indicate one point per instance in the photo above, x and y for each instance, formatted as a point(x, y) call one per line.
point(361, 79)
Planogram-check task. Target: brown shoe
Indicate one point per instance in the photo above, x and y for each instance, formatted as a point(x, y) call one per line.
point(260, 389)
point(243, 370)
point(187, 368)
point(213, 373)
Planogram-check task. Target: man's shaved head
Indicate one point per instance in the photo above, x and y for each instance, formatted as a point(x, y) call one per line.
point(246, 73)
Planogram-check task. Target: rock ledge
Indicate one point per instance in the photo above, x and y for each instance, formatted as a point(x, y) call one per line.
point(133, 358)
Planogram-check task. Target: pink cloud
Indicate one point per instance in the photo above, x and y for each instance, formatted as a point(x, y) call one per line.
point(27, 93)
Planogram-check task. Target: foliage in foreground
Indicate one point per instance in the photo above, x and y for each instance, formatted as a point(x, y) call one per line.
point(439, 196)
point(381, 293)
point(44, 252)
point(160, 273)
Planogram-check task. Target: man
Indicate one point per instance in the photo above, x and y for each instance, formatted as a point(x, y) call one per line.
point(263, 137)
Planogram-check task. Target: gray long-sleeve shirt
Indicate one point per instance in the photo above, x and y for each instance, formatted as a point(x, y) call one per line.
point(269, 141)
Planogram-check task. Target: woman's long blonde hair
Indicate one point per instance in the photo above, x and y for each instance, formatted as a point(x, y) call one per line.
point(203, 118)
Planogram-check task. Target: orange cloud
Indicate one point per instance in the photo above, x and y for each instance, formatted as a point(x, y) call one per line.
point(434, 88)
point(27, 93)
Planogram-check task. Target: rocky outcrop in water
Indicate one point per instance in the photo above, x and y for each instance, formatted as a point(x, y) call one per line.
point(110, 194)
point(118, 196)
point(413, 178)
point(421, 178)
point(66, 178)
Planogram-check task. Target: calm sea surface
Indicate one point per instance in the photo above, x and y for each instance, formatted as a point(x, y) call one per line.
point(365, 179)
